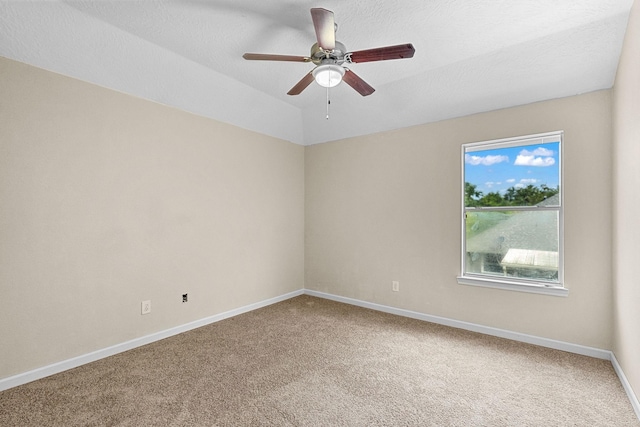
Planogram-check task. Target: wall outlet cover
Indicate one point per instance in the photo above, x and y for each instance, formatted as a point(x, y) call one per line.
point(146, 307)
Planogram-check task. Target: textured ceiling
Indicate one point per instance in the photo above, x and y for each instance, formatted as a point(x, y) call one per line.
point(471, 56)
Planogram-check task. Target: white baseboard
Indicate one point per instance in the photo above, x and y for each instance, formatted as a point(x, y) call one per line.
point(502, 333)
point(45, 371)
point(625, 384)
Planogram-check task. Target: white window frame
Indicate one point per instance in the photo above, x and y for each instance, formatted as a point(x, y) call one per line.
point(507, 282)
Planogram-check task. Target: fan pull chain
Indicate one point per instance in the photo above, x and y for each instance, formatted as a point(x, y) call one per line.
point(328, 103)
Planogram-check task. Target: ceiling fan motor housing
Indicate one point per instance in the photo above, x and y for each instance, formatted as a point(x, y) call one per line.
point(335, 56)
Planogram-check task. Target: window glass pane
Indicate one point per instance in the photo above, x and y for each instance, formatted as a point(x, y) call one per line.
point(520, 244)
point(526, 175)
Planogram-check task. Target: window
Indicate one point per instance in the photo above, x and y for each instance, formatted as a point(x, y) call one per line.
point(512, 214)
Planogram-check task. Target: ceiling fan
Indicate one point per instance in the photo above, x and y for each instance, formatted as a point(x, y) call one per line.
point(330, 55)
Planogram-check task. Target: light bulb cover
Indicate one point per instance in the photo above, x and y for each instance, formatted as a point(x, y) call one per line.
point(328, 75)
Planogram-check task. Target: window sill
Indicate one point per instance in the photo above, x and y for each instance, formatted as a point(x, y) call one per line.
point(513, 286)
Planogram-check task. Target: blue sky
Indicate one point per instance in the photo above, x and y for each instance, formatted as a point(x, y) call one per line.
point(498, 169)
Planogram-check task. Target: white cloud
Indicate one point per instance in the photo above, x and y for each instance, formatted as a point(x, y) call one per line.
point(485, 161)
point(511, 180)
point(490, 184)
point(538, 157)
point(541, 151)
point(531, 160)
point(528, 181)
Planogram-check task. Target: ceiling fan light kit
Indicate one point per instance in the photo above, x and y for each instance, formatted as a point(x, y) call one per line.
point(330, 55)
point(328, 75)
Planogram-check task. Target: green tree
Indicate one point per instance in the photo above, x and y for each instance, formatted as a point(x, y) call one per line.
point(471, 195)
point(528, 196)
point(510, 196)
point(492, 199)
point(520, 196)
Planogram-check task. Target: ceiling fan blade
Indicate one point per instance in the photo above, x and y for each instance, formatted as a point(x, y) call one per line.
point(400, 51)
point(269, 57)
point(357, 83)
point(325, 28)
point(301, 85)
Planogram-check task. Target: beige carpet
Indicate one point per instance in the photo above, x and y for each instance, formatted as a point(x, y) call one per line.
point(313, 362)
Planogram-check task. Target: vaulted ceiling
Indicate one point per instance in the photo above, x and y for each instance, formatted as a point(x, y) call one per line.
point(471, 56)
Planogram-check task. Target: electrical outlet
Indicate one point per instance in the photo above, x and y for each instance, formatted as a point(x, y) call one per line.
point(185, 297)
point(146, 307)
point(395, 286)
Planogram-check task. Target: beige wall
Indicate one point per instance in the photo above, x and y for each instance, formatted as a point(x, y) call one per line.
point(107, 200)
point(387, 207)
point(626, 207)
